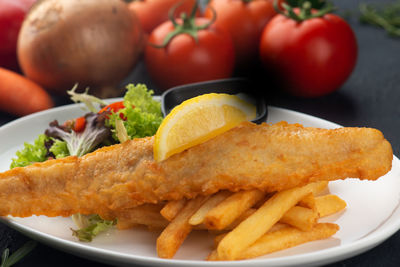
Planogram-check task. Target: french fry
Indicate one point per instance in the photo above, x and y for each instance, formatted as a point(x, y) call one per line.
point(257, 228)
point(308, 202)
point(214, 200)
point(171, 209)
point(247, 213)
point(276, 227)
point(177, 230)
point(213, 256)
point(218, 239)
point(319, 187)
point(329, 204)
point(146, 214)
point(286, 238)
point(301, 218)
point(231, 208)
point(262, 201)
point(261, 221)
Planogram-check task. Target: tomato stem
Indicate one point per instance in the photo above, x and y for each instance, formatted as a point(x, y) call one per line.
point(188, 25)
point(305, 10)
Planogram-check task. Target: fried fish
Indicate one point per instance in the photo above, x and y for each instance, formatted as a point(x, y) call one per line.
point(265, 157)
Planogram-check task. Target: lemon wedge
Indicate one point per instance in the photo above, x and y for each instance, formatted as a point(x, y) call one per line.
point(199, 119)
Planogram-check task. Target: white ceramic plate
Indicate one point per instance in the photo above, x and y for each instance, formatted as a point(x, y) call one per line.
point(372, 215)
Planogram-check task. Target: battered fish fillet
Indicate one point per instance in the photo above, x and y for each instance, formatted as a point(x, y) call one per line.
point(268, 157)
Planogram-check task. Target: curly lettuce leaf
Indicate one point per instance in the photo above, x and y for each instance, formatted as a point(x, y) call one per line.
point(59, 149)
point(36, 152)
point(143, 113)
point(141, 98)
point(42, 148)
point(90, 226)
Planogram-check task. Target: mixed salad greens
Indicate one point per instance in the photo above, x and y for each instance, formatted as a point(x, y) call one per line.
point(138, 115)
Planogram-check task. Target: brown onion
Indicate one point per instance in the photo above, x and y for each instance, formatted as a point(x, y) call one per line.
point(94, 43)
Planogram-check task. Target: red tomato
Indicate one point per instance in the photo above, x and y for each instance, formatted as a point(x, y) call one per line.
point(152, 13)
point(184, 60)
point(114, 107)
point(313, 57)
point(79, 124)
point(244, 20)
point(12, 13)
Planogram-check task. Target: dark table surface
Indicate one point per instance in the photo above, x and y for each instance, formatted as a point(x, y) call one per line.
point(370, 97)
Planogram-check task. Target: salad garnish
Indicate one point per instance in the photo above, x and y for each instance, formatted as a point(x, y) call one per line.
point(79, 144)
point(85, 98)
point(90, 226)
point(138, 115)
point(31, 153)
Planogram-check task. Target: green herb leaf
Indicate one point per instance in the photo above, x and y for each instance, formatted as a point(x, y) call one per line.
point(4, 257)
point(386, 17)
point(8, 261)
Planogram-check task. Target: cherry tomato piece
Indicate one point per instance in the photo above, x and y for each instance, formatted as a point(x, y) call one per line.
point(79, 124)
point(114, 107)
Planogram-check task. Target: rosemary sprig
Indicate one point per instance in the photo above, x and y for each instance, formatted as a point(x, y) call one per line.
point(8, 260)
point(387, 17)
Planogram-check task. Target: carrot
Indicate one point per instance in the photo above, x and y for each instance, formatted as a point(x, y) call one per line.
point(20, 96)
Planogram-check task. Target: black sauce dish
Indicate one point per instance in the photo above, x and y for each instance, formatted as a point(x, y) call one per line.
point(235, 86)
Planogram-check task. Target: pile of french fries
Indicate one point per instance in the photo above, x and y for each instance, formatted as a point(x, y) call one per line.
point(247, 224)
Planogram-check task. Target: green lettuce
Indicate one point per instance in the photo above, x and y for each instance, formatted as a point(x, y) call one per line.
point(142, 98)
point(90, 226)
point(143, 113)
point(31, 153)
point(42, 148)
point(59, 149)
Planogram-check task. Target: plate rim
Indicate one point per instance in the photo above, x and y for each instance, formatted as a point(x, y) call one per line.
point(324, 256)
